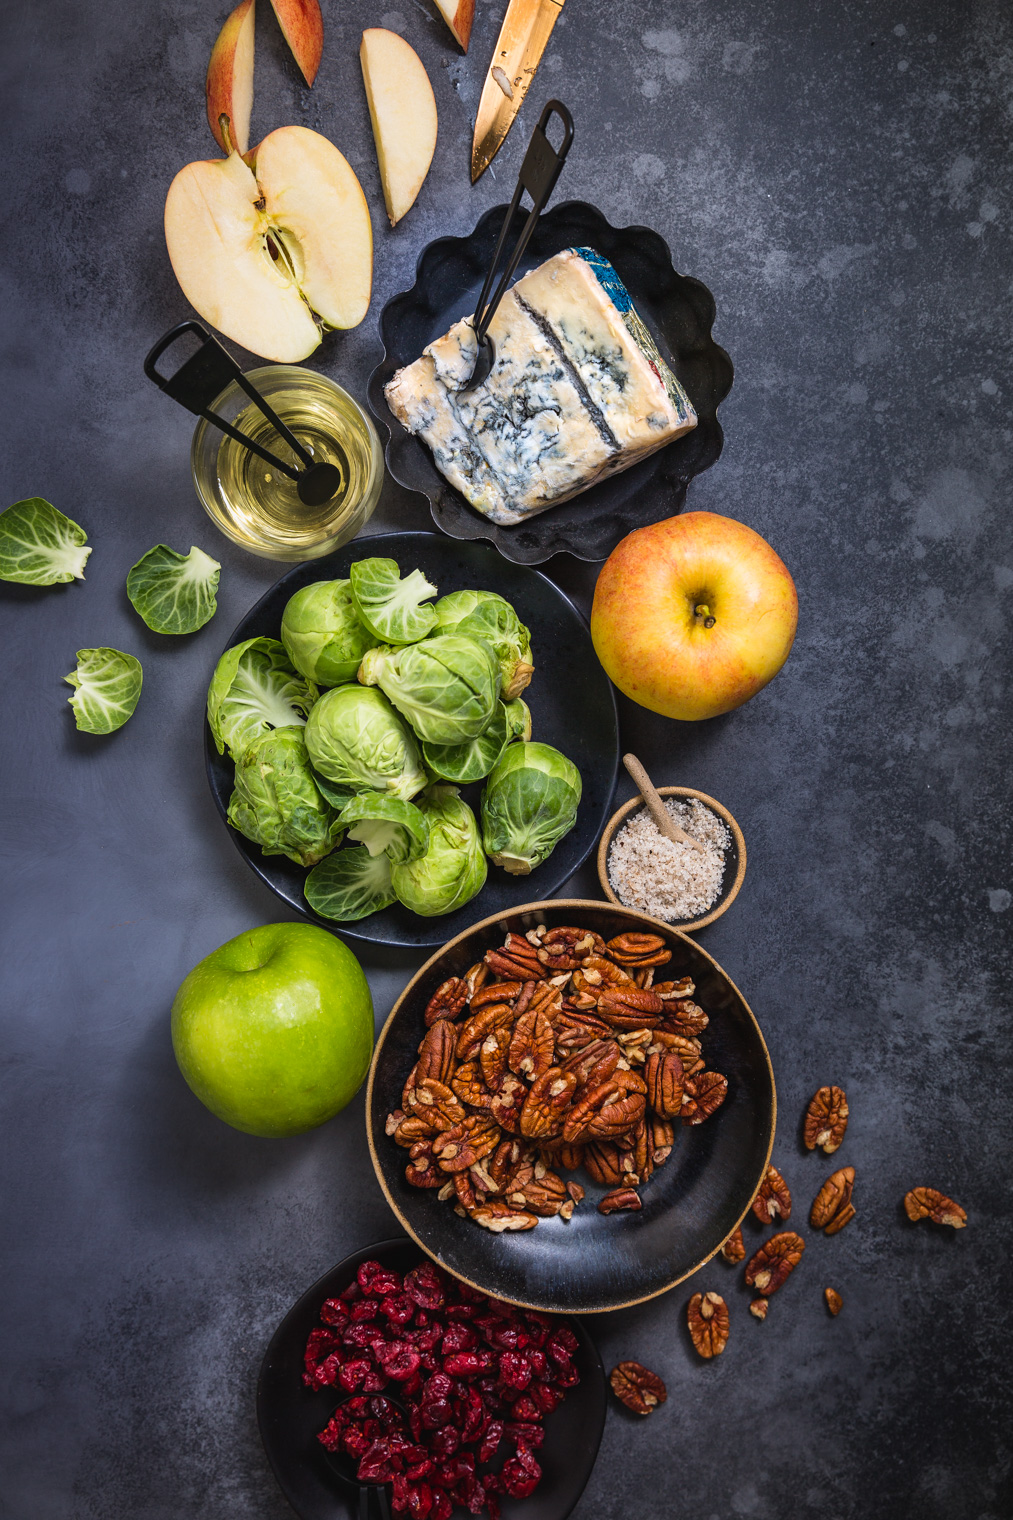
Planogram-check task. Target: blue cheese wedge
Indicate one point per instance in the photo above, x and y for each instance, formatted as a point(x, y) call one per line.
point(578, 391)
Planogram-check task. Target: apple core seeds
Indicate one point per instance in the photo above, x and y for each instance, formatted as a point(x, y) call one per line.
point(667, 880)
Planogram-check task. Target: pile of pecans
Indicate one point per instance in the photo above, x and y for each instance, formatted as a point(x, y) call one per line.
point(556, 1051)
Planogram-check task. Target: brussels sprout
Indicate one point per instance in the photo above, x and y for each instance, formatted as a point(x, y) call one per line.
point(518, 715)
point(446, 686)
point(337, 796)
point(254, 689)
point(474, 758)
point(107, 685)
point(356, 739)
point(349, 884)
point(39, 546)
point(529, 803)
point(389, 606)
point(453, 868)
point(277, 803)
point(321, 630)
point(174, 593)
point(386, 826)
point(484, 615)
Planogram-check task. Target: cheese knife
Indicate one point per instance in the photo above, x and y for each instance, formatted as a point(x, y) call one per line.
point(526, 29)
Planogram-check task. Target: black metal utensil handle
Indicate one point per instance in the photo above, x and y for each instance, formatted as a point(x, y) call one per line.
point(539, 173)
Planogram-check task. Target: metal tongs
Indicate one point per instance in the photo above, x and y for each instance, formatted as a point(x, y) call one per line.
point(204, 376)
point(539, 172)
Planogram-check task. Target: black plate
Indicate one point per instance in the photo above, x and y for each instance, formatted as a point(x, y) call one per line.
point(290, 1415)
point(679, 312)
point(690, 1205)
point(572, 706)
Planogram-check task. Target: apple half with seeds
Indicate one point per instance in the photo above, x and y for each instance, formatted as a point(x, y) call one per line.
point(275, 248)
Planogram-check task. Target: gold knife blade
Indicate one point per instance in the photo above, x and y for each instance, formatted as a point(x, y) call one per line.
point(526, 29)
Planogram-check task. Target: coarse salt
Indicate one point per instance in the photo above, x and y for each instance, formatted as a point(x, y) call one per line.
point(670, 881)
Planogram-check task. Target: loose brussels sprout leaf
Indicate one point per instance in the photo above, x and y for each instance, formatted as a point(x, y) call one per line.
point(446, 686)
point(254, 689)
point(356, 740)
point(528, 804)
point(108, 684)
point(518, 715)
point(321, 630)
point(474, 758)
point(389, 606)
point(453, 868)
point(39, 546)
point(386, 826)
point(174, 593)
point(484, 615)
point(349, 884)
point(278, 804)
point(337, 796)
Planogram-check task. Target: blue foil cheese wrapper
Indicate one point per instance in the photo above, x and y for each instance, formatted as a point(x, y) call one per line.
point(578, 391)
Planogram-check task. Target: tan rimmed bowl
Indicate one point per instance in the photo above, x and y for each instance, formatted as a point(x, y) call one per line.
point(735, 857)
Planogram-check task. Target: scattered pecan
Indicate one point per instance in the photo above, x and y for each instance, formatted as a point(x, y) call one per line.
point(702, 1095)
point(769, 1267)
point(759, 1308)
point(639, 950)
point(498, 1216)
point(546, 1099)
point(707, 1317)
point(832, 1201)
point(447, 1001)
point(664, 1078)
point(826, 1119)
point(637, 1388)
point(575, 1191)
point(834, 1300)
point(620, 1198)
point(734, 1247)
point(773, 1201)
point(393, 1120)
point(927, 1203)
point(436, 1053)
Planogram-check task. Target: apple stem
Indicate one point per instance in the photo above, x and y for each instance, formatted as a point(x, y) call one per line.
point(225, 128)
point(703, 611)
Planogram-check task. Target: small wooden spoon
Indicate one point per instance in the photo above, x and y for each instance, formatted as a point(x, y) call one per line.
point(657, 809)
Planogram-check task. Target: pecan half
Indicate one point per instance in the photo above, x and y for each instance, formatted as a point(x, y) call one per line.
point(435, 1103)
point(481, 1024)
point(531, 1045)
point(687, 1049)
point(702, 1095)
point(734, 1247)
point(639, 950)
point(833, 1199)
point(492, 1056)
point(928, 1203)
point(595, 1063)
point(458, 1148)
point(773, 1201)
point(826, 1119)
point(664, 1078)
point(422, 1170)
point(498, 1216)
point(682, 1016)
point(413, 1128)
point(630, 1007)
point(759, 1308)
point(662, 1138)
point(835, 1302)
point(495, 992)
point(769, 1268)
point(603, 1163)
point(707, 1317)
point(619, 1199)
point(543, 1195)
point(547, 1097)
point(575, 1191)
point(436, 1053)
point(467, 1084)
point(502, 1162)
point(447, 1001)
point(565, 948)
point(597, 973)
point(505, 1105)
point(392, 1121)
point(637, 1388)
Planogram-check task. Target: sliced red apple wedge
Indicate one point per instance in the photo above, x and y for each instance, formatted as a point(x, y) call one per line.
point(258, 250)
point(303, 29)
point(229, 83)
point(402, 109)
point(458, 14)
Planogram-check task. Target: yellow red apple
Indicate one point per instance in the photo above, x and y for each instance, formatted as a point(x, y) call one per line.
point(458, 14)
point(229, 83)
point(694, 615)
point(402, 108)
point(303, 29)
point(259, 247)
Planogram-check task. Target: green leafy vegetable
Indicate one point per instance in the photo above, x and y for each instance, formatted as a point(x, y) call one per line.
point(529, 803)
point(356, 739)
point(389, 606)
point(174, 593)
point(350, 884)
point(39, 546)
point(277, 803)
point(386, 826)
point(254, 689)
point(484, 615)
point(321, 630)
point(474, 758)
point(107, 686)
point(453, 868)
point(446, 686)
point(337, 796)
point(518, 715)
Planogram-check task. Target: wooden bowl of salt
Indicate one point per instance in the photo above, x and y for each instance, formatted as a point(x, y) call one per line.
point(686, 882)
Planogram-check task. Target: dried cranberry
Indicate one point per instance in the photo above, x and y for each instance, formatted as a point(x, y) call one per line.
point(566, 1377)
point(415, 1423)
point(325, 1374)
point(458, 1338)
point(460, 1311)
point(436, 1413)
point(398, 1308)
point(491, 1438)
point(377, 1281)
point(419, 1469)
point(424, 1286)
point(354, 1442)
point(351, 1293)
point(375, 1381)
point(507, 1338)
point(443, 1506)
point(521, 1474)
point(399, 1493)
point(545, 1398)
point(362, 1335)
point(350, 1376)
point(378, 1463)
point(472, 1414)
point(538, 1363)
point(526, 1407)
point(398, 1359)
point(413, 1385)
point(524, 1433)
point(467, 1363)
point(444, 1442)
point(318, 1345)
point(330, 1436)
point(514, 1370)
point(365, 1309)
point(420, 1501)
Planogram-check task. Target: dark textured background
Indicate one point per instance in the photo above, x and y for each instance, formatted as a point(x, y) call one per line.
point(840, 177)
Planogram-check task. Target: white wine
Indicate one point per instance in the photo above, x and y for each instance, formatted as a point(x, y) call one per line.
point(256, 504)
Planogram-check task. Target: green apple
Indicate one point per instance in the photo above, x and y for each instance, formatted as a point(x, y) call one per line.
point(274, 1030)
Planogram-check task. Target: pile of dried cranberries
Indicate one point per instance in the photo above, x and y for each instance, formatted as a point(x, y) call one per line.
point(474, 1376)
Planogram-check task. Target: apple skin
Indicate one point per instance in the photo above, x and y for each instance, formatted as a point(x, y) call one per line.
point(303, 29)
point(657, 649)
point(229, 82)
point(459, 15)
point(273, 1031)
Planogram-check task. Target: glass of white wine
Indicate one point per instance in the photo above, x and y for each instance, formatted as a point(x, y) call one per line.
point(256, 504)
